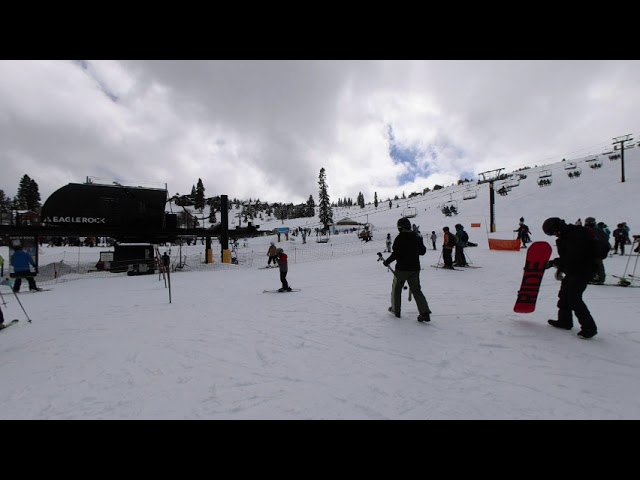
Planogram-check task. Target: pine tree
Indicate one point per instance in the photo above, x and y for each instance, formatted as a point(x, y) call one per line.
point(311, 207)
point(199, 200)
point(28, 196)
point(5, 202)
point(33, 200)
point(325, 212)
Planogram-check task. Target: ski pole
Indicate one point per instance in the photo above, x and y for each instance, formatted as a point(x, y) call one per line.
point(18, 299)
point(438, 262)
point(25, 312)
point(380, 257)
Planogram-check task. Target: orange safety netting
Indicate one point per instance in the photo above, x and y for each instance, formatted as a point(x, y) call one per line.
point(495, 244)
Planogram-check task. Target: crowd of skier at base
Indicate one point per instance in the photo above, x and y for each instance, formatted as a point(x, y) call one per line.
point(578, 264)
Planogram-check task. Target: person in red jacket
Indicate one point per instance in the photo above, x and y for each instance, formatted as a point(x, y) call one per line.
point(281, 258)
point(448, 242)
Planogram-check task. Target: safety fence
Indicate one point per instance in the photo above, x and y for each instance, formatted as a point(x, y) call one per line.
point(85, 263)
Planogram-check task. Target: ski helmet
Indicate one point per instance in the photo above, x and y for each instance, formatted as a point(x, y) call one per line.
point(404, 224)
point(590, 221)
point(552, 225)
point(279, 251)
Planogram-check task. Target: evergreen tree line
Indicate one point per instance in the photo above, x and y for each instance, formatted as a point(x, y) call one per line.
point(27, 197)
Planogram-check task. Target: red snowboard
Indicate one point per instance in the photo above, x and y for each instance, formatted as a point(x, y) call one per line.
point(538, 255)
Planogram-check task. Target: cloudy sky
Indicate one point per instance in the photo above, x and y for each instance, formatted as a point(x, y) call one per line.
point(265, 128)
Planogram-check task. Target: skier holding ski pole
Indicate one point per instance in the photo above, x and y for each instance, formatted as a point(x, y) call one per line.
point(407, 249)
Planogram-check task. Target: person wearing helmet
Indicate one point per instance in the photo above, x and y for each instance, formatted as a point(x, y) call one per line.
point(407, 249)
point(271, 253)
point(576, 267)
point(281, 257)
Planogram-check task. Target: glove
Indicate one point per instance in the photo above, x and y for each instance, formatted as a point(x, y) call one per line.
point(553, 263)
point(385, 263)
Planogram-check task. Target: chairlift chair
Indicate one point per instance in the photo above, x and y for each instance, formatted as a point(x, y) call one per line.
point(545, 181)
point(503, 189)
point(410, 212)
point(450, 208)
point(469, 195)
point(574, 173)
point(595, 164)
point(570, 166)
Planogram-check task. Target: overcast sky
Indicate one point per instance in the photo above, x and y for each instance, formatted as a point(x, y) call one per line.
point(265, 128)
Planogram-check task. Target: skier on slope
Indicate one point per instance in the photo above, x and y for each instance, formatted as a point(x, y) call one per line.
point(271, 253)
point(282, 260)
point(407, 249)
point(21, 261)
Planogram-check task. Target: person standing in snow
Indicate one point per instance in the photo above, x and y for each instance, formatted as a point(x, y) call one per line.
point(389, 243)
point(433, 238)
point(461, 243)
point(576, 266)
point(407, 249)
point(283, 263)
point(448, 242)
point(22, 262)
point(271, 253)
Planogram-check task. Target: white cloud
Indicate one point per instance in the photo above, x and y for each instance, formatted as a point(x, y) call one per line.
point(281, 121)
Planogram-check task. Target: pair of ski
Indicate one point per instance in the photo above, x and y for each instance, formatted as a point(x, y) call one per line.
point(440, 265)
point(283, 291)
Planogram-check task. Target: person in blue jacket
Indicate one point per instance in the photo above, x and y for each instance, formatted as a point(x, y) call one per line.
point(21, 262)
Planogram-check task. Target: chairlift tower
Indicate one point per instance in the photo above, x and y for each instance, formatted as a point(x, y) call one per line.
point(619, 142)
point(490, 177)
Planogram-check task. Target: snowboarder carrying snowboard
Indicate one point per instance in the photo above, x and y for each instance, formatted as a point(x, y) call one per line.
point(576, 267)
point(407, 248)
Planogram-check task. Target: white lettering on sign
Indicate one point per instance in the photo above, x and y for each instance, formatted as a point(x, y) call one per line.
point(56, 219)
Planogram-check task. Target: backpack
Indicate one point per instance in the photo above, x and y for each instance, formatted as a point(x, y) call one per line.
point(453, 239)
point(601, 244)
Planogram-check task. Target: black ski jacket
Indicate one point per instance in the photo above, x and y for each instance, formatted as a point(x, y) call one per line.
point(575, 247)
point(407, 248)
